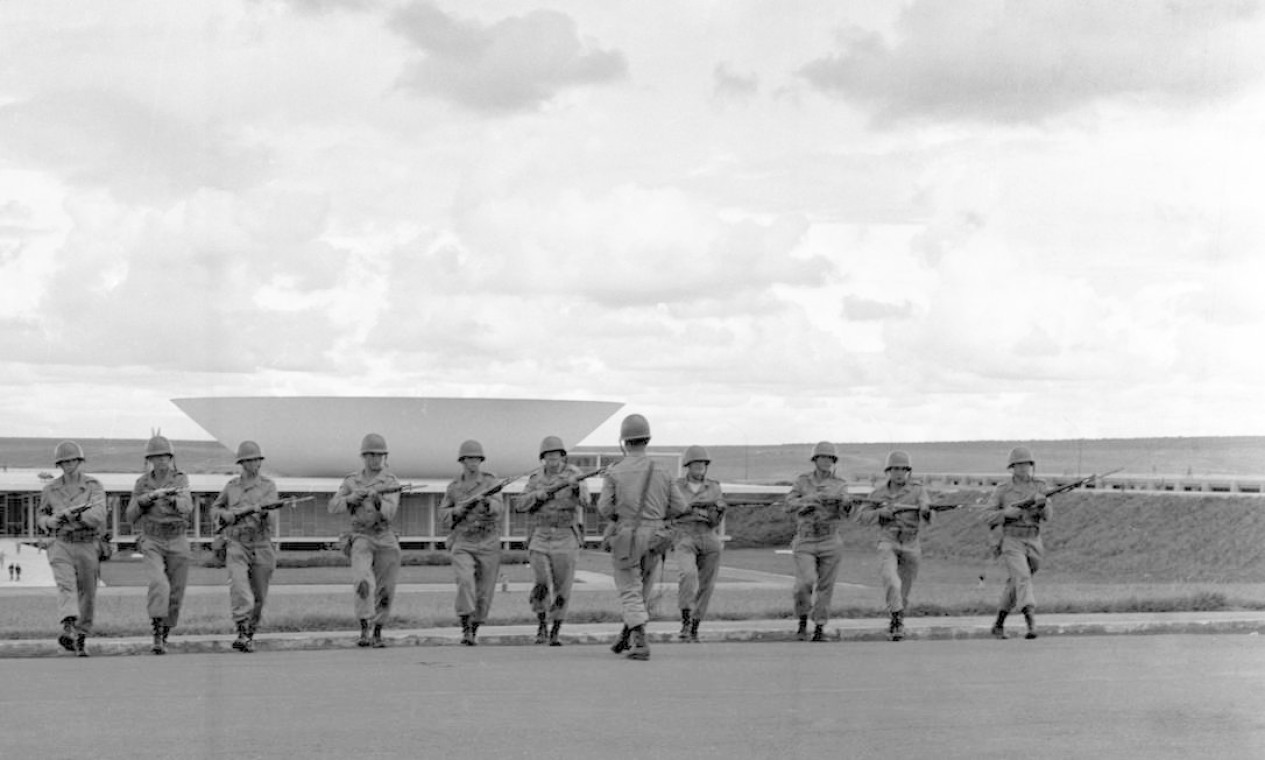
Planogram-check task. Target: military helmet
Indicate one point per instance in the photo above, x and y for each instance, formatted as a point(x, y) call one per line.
point(158, 446)
point(695, 454)
point(373, 444)
point(67, 450)
point(471, 448)
point(1020, 454)
point(898, 458)
point(634, 426)
point(825, 449)
point(552, 443)
point(248, 450)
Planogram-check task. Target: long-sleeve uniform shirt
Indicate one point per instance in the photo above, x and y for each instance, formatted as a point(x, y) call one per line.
point(59, 497)
point(564, 509)
point(236, 502)
point(167, 516)
point(909, 504)
point(819, 504)
point(479, 523)
point(373, 514)
point(627, 480)
point(1027, 522)
point(705, 506)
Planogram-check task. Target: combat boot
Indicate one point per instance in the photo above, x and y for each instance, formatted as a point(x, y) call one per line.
point(999, 625)
point(1029, 617)
point(67, 637)
point(378, 643)
point(640, 649)
point(474, 633)
point(819, 632)
point(81, 649)
point(467, 634)
point(542, 629)
point(684, 635)
point(250, 638)
point(364, 639)
point(801, 633)
point(554, 641)
point(242, 641)
point(694, 630)
point(621, 644)
point(896, 631)
point(166, 633)
point(160, 646)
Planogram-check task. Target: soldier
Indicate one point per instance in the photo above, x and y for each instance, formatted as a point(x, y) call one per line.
point(249, 558)
point(473, 521)
point(638, 497)
point(1019, 508)
point(820, 501)
point(72, 508)
point(159, 510)
point(900, 507)
point(698, 543)
point(372, 497)
point(555, 497)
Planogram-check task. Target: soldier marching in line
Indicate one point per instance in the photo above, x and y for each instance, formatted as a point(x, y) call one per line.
point(473, 521)
point(249, 555)
point(159, 510)
point(555, 497)
point(372, 497)
point(638, 497)
point(698, 543)
point(819, 499)
point(900, 507)
point(72, 508)
point(1019, 508)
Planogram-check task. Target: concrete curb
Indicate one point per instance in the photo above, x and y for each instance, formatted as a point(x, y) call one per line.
point(664, 632)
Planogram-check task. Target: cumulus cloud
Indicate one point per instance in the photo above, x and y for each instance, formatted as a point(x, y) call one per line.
point(515, 64)
point(1025, 61)
point(730, 85)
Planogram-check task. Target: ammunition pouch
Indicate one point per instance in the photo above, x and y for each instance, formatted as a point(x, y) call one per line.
point(168, 529)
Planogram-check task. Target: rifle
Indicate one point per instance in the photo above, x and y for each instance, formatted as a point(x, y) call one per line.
point(568, 483)
point(74, 512)
point(159, 493)
point(268, 506)
point(400, 488)
point(465, 504)
point(1032, 501)
point(743, 504)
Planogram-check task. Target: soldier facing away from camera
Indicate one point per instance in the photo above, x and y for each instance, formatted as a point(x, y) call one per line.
point(159, 510)
point(555, 497)
point(639, 496)
point(698, 544)
point(900, 507)
point(372, 497)
point(820, 502)
point(1019, 509)
point(472, 516)
point(249, 555)
point(72, 508)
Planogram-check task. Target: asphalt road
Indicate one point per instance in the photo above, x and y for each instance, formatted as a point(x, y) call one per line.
point(1099, 697)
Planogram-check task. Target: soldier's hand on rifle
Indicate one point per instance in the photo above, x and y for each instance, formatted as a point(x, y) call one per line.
point(1011, 513)
point(807, 509)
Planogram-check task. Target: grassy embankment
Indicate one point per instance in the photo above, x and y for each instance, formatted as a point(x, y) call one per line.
point(1106, 552)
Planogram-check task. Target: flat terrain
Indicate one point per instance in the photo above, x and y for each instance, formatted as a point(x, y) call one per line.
point(1114, 697)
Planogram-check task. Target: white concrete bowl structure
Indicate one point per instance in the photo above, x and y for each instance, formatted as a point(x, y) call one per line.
point(319, 436)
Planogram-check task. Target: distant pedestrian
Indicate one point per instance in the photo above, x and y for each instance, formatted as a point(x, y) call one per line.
point(472, 519)
point(72, 508)
point(555, 497)
point(372, 497)
point(820, 502)
point(12, 572)
point(1019, 509)
point(900, 507)
point(159, 510)
point(638, 497)
point(249, 555)
point(697, 541)
point(18, 568)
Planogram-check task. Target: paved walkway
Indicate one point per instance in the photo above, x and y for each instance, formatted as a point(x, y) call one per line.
point(664, 632)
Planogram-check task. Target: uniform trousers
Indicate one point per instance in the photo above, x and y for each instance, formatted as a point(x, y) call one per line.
point(250, 565)
point(816, 565)
point(698, 559)
point(898, 567)
point(476, 563)
point(552, 553)
point(375, 566)
point(76, 567)
point(166, 562)
point(1022, 556)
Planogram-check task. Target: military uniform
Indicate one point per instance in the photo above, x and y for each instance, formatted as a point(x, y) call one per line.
point(373, 545)
point(554, 545)
point(639, 496)
point(250, 557)
point(698, 547)
point(73, 555)
point(820, 504)
point(1020, 540)
point(474, 541)
point(162, 526)
point(899, 512)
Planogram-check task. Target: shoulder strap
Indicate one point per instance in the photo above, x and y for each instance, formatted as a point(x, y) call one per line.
point(645, 488)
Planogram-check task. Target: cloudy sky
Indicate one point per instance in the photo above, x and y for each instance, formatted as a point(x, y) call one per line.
point(753, 221)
